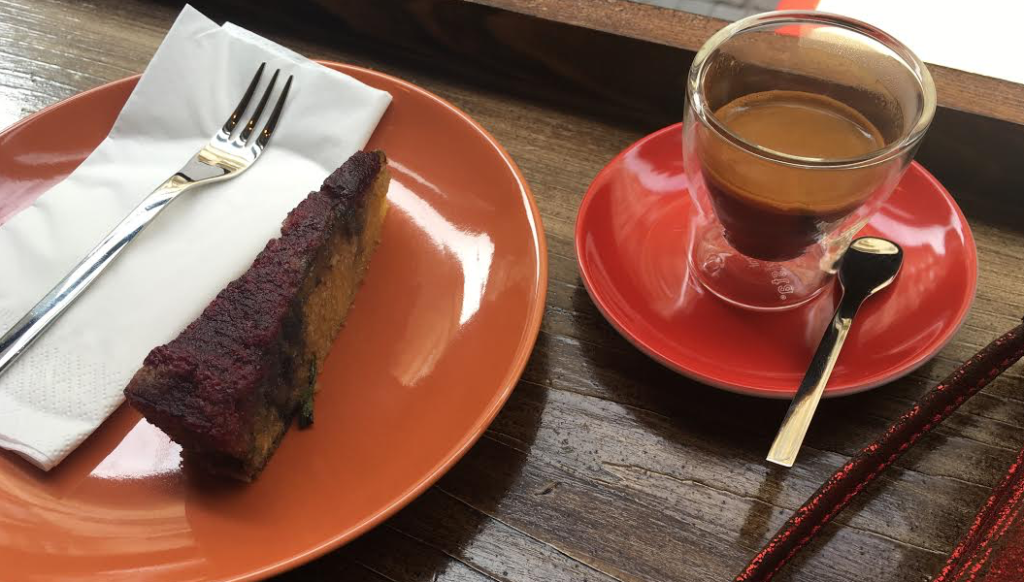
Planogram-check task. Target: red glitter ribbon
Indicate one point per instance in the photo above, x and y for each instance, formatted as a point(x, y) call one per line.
point(993, 549)
point(862, 469)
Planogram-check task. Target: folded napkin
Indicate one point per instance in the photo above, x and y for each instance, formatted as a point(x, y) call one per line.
point(72, 378)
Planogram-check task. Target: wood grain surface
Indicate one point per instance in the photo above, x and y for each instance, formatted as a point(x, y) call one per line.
point(604, 466)
point(677, 28)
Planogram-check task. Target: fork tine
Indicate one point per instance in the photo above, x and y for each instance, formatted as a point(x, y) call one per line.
point(232, 121)
point(247, 131)
point(268, 129)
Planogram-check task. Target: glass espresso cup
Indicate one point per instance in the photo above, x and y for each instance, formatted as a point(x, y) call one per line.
point(798, 126)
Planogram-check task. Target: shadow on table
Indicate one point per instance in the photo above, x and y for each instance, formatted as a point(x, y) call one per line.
point(724, 425)
point(432, 536)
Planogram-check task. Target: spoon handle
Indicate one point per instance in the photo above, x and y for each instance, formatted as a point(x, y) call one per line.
point(798, 418)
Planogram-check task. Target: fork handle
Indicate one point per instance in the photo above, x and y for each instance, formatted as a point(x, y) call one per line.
point(28, 328)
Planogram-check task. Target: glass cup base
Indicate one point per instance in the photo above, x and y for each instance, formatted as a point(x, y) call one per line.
point(755, 284)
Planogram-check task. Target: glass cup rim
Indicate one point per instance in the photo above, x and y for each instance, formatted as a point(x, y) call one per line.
point(698, 103)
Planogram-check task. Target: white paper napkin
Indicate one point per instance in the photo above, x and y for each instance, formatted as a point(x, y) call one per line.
point(72, 378)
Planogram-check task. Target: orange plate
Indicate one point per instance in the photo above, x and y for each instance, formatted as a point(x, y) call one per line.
point(441, 330)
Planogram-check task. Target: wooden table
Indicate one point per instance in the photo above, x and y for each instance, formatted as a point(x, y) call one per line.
point(603, 465)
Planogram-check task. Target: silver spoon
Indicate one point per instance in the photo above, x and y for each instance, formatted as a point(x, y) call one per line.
point(869, 266)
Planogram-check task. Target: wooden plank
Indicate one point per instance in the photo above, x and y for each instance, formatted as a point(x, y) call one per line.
point(957, 90)
point(677, 28)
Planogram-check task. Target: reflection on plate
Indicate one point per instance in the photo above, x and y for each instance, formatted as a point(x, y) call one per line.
point(630, 244)
point(438, 336)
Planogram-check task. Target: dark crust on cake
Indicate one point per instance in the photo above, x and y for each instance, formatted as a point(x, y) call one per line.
point(211, 386)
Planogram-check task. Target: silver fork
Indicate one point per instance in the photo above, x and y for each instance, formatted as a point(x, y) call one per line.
point(223, 157)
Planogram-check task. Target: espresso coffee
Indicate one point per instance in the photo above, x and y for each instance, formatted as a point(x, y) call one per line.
point(773, 211)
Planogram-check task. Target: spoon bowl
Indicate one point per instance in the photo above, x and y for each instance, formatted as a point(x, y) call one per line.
point(870, 265)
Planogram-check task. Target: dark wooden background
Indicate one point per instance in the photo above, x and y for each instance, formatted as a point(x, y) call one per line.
point(605, 466)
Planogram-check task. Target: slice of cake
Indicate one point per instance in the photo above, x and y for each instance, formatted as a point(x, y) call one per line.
point(227, 388)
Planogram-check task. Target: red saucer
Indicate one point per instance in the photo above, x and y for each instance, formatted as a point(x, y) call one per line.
point(629, 243)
